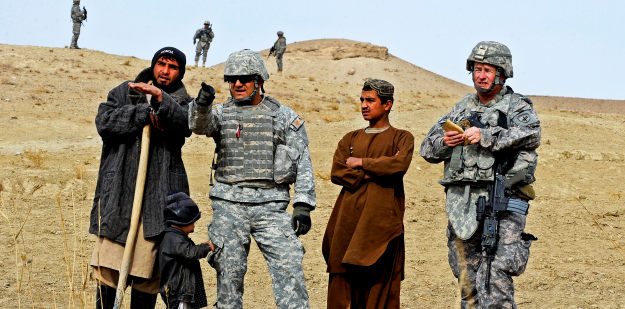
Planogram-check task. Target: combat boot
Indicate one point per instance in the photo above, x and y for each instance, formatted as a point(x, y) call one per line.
point(204, 64)
point(196, 63)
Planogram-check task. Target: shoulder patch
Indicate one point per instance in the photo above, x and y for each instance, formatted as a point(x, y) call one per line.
point(524, 119)
point(297, 123)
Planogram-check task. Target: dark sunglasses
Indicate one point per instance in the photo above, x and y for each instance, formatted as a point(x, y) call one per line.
point(242, 78)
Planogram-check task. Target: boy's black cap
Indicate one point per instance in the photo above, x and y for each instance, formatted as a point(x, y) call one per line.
point(181, 210)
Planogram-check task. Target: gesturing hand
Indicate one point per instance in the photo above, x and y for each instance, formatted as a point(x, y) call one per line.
point(148, 89)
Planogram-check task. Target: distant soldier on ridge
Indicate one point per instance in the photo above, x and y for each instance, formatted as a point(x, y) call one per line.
point(205, 35)
point(78, 16)
point(279, 48)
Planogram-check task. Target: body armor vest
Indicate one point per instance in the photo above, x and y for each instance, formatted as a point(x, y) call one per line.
point(472, 164)
point(248, 139)
point(204, 36)
point(74, 16)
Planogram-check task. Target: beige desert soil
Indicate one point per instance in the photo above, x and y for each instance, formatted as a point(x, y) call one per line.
point(49, 147)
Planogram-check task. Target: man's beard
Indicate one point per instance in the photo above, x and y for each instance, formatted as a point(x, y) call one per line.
point(167, 88)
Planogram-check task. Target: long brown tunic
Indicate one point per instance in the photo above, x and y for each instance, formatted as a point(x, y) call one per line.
point(368, 214)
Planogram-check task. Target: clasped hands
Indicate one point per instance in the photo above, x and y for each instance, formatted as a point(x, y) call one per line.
point(154, 92)
point(454, 138)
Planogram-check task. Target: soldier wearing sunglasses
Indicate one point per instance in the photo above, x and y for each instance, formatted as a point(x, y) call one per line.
point(262, 149)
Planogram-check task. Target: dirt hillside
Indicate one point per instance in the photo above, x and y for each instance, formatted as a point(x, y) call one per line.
point(49, 147)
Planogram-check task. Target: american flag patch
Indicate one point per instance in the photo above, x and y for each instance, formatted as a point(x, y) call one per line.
point(297, 123)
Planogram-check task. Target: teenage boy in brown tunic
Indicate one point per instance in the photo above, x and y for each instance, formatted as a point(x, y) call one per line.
point(364, 241)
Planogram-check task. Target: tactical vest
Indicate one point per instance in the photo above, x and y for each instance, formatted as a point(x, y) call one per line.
point(472, 164)
point(75, 18)
point(204, 36)
point(249, 137)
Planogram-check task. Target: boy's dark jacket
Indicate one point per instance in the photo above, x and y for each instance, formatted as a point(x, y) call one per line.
point(179, 264)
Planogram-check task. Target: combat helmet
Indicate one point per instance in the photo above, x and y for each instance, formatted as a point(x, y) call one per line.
point(244, 63)
point(76, 1)
point(207, 23)
point(495, 54)
point(280, 33)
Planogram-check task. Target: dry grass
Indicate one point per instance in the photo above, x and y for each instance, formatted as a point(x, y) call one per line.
point(79, 171)
point(316, 89)
point(312, 79)
point(90, 89)
point(615, 195)
point(7, 66)
point(37, 156)
point(43, 90)
point(8, 81)
point(333, 118)
point(127, 62)
point(323, 175)
point(292, 76)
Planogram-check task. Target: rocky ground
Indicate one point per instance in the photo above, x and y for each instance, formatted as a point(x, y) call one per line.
point(49, 148)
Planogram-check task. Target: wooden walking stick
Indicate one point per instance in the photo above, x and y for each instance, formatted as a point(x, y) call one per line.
point(137, 203)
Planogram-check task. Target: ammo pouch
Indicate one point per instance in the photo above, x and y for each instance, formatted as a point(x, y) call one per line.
point(469, 163)
point(285, 164)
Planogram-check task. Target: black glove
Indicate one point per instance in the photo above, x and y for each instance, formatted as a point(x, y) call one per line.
point(193, 42)
point(301, 219)
point(206, 95)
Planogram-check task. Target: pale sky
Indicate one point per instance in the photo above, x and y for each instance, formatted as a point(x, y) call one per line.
point(560, 48)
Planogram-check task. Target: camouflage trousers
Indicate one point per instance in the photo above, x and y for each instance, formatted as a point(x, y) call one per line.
point(468, 265)
point(270, 225)
point(201, 48)
point(279, 61)
point(76, 32)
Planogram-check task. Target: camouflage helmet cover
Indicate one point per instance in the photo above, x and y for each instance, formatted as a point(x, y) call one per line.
point(280, 33)
point(492, 53)
point(246, 62)
point(207, 23)
point(76, 1)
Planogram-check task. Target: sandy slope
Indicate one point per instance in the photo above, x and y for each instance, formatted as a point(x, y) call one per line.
point(49, 98)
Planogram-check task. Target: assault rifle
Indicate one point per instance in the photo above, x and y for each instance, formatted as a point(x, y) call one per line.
point(271, 51)
point(85, 11)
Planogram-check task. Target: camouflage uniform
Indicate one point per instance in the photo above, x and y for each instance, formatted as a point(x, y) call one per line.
point(280, 46)
point(205, 37)
point(256, 207)
point(467, 171)
point(77, 16)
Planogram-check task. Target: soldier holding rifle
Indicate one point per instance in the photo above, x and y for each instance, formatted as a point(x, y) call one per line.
point(488, 144)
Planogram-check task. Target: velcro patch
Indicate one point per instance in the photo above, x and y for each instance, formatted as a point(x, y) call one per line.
point(524, 119)
point(297, 123)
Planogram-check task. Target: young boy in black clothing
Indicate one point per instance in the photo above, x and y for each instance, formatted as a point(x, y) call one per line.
point(181, 284)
